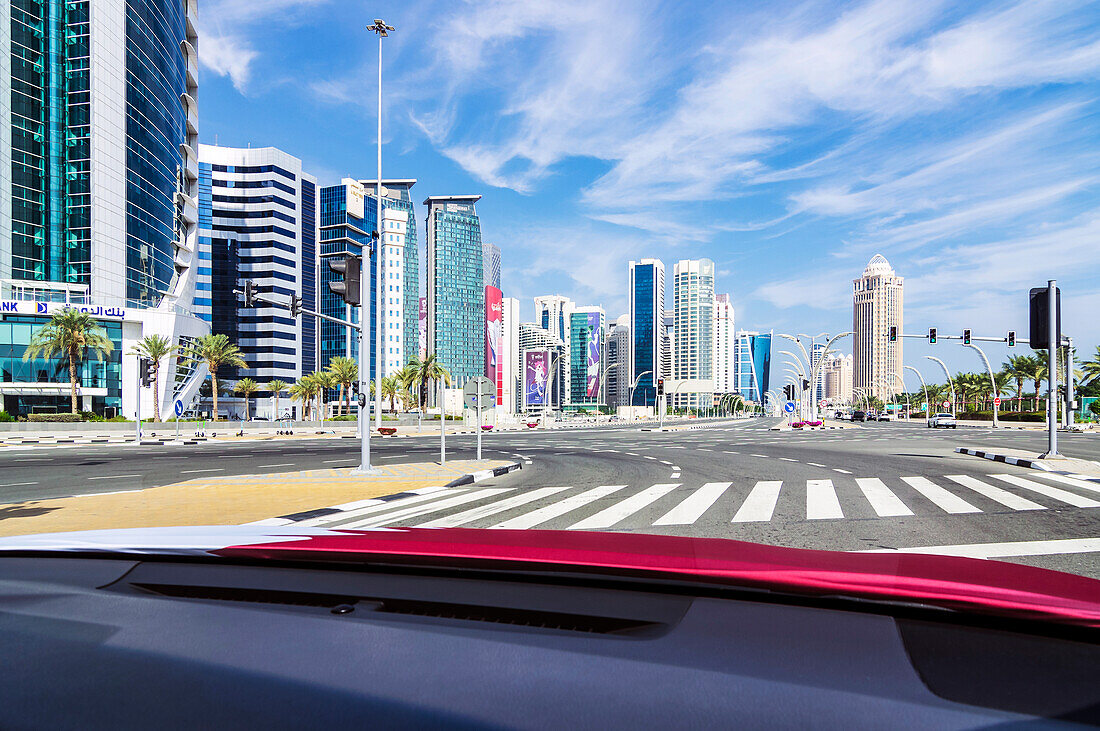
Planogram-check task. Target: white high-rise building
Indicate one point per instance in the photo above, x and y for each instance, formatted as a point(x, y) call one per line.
point(838, 378)
point(533, 337)
point(693, 349)
point(647, 356)
point(554, 314)
point(725, 345)
point(876, 307)
point(618, 368)
point(490, 263)
point(509, 355)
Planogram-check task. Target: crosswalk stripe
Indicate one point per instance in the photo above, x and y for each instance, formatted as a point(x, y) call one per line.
point(624, 509)
point(760, 504)
point(885, 503)
point(379, 507)
point(484, 511)
point(1066, 480)
point(693, 507)
point(417, 510)
point(821, 500)
point(1004, 497)
point(554, 510)
point(948, 501)
point(1055, 492)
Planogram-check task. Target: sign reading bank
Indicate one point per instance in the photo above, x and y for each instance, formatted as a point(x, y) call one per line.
point(34, 307)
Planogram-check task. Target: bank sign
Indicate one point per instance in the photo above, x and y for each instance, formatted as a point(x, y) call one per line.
point(45, 309)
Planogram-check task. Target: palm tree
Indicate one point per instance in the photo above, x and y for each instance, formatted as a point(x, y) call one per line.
point(1037, 371)
point(248, 387)
point(428, 369)
point(216, 351)
point(346, 372)
point(390, 388)
point(1090, 369)
point(155, 348)
point(325, 381)
point(276, 387)
point(303, 391)
point(407, 378)
point(72, 334)
point(1016, 368)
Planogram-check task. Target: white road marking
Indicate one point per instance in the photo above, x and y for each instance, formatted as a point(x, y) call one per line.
point(1065, 480)
point(542, 515)
point(1054, 492)
point(18, 484)
point(821, 500)
point(948, 501)
point(693, 507)
point(788, 459)
point(761, 456)
point(996, 494)
point(815, 464)
point(665, 462)
point(112, 477)
point(760, 504)
point(484, 511)
point(999, 550)
point(416, 511)
point(283, 464)
point(625, 508)
point(374, 505)
point(845, 472)
point(212, 469)
point(885, 503)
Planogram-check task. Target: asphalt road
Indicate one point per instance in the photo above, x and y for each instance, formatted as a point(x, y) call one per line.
point(882, 486)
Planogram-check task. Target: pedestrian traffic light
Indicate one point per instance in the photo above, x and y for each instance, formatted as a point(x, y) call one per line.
point(295, 305)
point(145, 371)
point(249, 293)
point(1012, 338)
point(805, 384)
point(893, 334)
point(349, 269)
point(966, 337)
point(660, 386)
point(932, 335)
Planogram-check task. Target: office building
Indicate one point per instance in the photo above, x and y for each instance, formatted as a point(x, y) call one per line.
point(725, 346)
point(647, 307)
point(754, 360)
point(456, 288)
point(542, 368)
point(397, 196)
point(98, 193)
point(838, 378)
point(258, 223)
point(490, 262)
point(554, 314)
point(817, 354)
point(509, 355)
point(877, 305)
point(618, 363)
point(693, 346)
point(587, 354)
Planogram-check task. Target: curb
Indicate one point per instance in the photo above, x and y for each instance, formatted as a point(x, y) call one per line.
point(1029, 463)
point(346, 507)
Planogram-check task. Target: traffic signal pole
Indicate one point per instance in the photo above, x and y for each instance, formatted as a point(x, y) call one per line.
point(1053, 336)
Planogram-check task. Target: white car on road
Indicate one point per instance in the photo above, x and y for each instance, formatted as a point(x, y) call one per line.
point(945, 420)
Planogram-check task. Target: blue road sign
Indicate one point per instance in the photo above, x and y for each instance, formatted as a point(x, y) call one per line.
point(179, 408)
point(789, 407)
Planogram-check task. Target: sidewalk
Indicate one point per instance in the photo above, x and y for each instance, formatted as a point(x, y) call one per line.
point(230, 500)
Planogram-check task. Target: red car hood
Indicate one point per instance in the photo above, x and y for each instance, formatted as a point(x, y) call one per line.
point(969, 585)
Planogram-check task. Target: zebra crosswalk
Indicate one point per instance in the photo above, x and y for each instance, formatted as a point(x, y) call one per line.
point(672, 504)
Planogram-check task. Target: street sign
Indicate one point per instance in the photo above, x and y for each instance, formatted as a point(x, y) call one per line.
point(178, 408)
point(479, 388)
point(997, 401)
point(946, 404)
point(924, 407)
point(789, 407)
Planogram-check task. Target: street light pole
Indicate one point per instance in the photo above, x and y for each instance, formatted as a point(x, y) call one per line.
point(635, 385)
point(381, 30)
point(923, 385)
point(992, 380)
point(1052, 367)
point(947, 374)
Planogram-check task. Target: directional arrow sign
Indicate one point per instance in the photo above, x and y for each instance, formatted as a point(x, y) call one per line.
point(179, 408)
point(479, 389)
point(789, 407)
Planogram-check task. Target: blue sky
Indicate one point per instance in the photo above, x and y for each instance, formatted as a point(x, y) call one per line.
point(788, 142)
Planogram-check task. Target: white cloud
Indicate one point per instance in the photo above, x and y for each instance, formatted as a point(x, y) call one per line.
point(228, 56)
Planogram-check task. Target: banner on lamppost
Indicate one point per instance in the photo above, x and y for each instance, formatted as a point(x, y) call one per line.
point(494, 370)
point(536, 369)
point(422, 328)
point(593, 349)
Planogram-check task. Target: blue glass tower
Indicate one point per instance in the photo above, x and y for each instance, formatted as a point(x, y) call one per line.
point(754, 361)
point(647, 306)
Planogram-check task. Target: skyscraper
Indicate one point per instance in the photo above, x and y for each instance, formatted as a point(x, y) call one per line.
point(838, 378)
point(397, 196)
point(490, 255)
point(817, 355)
point(754, 362)
point(509, 355)
point(877, 300)
point(456, 289)
point(693, 348)
point(647, 307)
point(542, 368)
point(618, 363)
point(587, 354)
point(259, 223)
point(725, 346)
point(554, 313)
point(98, 188)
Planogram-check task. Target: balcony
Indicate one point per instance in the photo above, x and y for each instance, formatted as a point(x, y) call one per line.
point(190, 162)
point(191, 56)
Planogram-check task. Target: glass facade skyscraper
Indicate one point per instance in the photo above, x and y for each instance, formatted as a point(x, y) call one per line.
point(693, 348)
point(754, 362)
point(455, 284)
point(647, 307)
point(588, 355)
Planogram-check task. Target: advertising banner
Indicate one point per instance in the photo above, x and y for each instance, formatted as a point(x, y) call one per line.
point(593, 362)
point(535, 374)
point(422, 325)
point(494, 370)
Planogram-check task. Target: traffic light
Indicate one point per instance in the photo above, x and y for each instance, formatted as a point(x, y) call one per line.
point(295, 305)
point(932, 335)
point(249, 293)
point(349, 268)
point(1012, 338)
point(145, 371)
point(805, 384)
point(893, 334)
point(660, 386)
point(966, 337)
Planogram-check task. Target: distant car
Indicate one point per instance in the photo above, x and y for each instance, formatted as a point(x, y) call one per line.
point(859, 416)
point(945, 420)
point(885, 416)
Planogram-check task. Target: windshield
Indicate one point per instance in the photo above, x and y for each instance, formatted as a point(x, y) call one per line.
point(724, 272)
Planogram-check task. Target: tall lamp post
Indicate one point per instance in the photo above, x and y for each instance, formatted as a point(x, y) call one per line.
point(947, 375)
point(923, 385)
point(382, 31)
point(992, 380)
point(635, 385)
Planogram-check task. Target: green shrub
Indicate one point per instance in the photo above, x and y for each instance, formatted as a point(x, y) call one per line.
point(117, 419)
point(344, 417)
point(54, 418)
point(5, 417)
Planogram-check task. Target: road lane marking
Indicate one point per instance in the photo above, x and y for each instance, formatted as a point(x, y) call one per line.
point(788, 459)
point(815, 464)
point(112, 477)
point(1001, 550)
point(212, 469)
point(996, 494)
point(948, 501)
point(418, 510)
point(346, 459)
point(761, 456)
point(885, 502)
point(484, 511)
point(18, 484)
point(844, 472)
point(821, 500)
point(545, 514)
point(1083, 484)
point(760, 504)
point(729, 452)
point(1054, 492)
point(374, 505)
point(693, 507)
point(624, 509)
point(283, 464)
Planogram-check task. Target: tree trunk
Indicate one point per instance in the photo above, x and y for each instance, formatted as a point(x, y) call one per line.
point(72, 378)
point(247, 411)
point(214, 391)
point(276, 414)
point(156, 393)
point(339, 396)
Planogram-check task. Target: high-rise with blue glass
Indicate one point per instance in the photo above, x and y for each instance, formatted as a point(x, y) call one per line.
point(455, 284)
point(754, 364)
point(647, 308)
point(401, 313)
point(98, 185)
